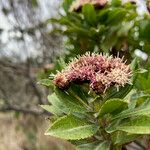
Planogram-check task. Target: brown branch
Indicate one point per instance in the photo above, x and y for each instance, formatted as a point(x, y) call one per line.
point(148, 145)
point(36, 90)
point(124, 148)
point(8, 108)
point(32, 82)
point(17, 68)
point(140, 145)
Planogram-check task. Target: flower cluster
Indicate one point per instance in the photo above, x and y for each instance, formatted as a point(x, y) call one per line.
point(100, 71)
point(77, 4)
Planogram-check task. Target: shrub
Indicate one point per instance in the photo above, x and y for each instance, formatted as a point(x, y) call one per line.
point(101, 99)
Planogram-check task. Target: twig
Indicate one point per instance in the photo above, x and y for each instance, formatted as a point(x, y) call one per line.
point(23, 110)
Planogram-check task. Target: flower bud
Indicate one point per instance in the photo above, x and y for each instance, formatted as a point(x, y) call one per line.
point(100, 71)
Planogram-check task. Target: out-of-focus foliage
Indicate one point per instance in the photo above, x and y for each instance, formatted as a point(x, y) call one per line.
point(115, 28)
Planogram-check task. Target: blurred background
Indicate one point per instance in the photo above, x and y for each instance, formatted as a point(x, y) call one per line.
point(27, 47)
point(28, 50)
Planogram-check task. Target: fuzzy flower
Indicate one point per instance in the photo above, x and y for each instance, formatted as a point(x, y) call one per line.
point(61, 80)
point(100, 71)
point(77, 4)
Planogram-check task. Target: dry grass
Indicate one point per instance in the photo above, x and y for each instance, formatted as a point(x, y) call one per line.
point(27, 133)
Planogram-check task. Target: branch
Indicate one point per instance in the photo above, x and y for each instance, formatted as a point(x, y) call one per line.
point(137, 144)
point(23, 110)
point(140, 145)
point(148, 145)
point(36, 90)
point(20, 69)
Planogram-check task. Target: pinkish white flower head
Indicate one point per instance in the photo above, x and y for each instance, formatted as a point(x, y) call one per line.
point(61, 80)
point(78, 4)
point(100, 71)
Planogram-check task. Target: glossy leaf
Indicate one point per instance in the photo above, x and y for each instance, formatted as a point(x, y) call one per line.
point(136, 96)
point(77, 90)
point(140, 125)
point(71, 128)
point(66, 4)
point(116, 3)
point(123, 91)
point(46, 82)
point(112, 106)
point(53, 99)
point(115, 16)
point(70, 102)
point(139, 111)
point(145, 30)
point(89, 14)
point(121, 137)
point(52, 109)
point(103, 15)
point(87, 146)
point(103, 146)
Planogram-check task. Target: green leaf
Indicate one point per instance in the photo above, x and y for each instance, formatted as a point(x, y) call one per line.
point(70, 102)
point(135, 97)
point(141, 71)
point(46, 107)
point(139, 111)
point(52, 109)
point(140, 125)
point(79, 30)
point(116, 3)
point(89, 14)
point(58, 104)
point(46, 82)
point(52, 20)
point(103, 146)
point(77, 90)
point(72, 128)
point(121, 137)
point(87, 146)
point(134, 64)
point(61, 63)
point(145, 29)
point(98, 145)
point(65, 21)
point(66, 4)
point(103, 15)
point(112, 106)
point(123, 91)
point(144, 82)
point(116, 15)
